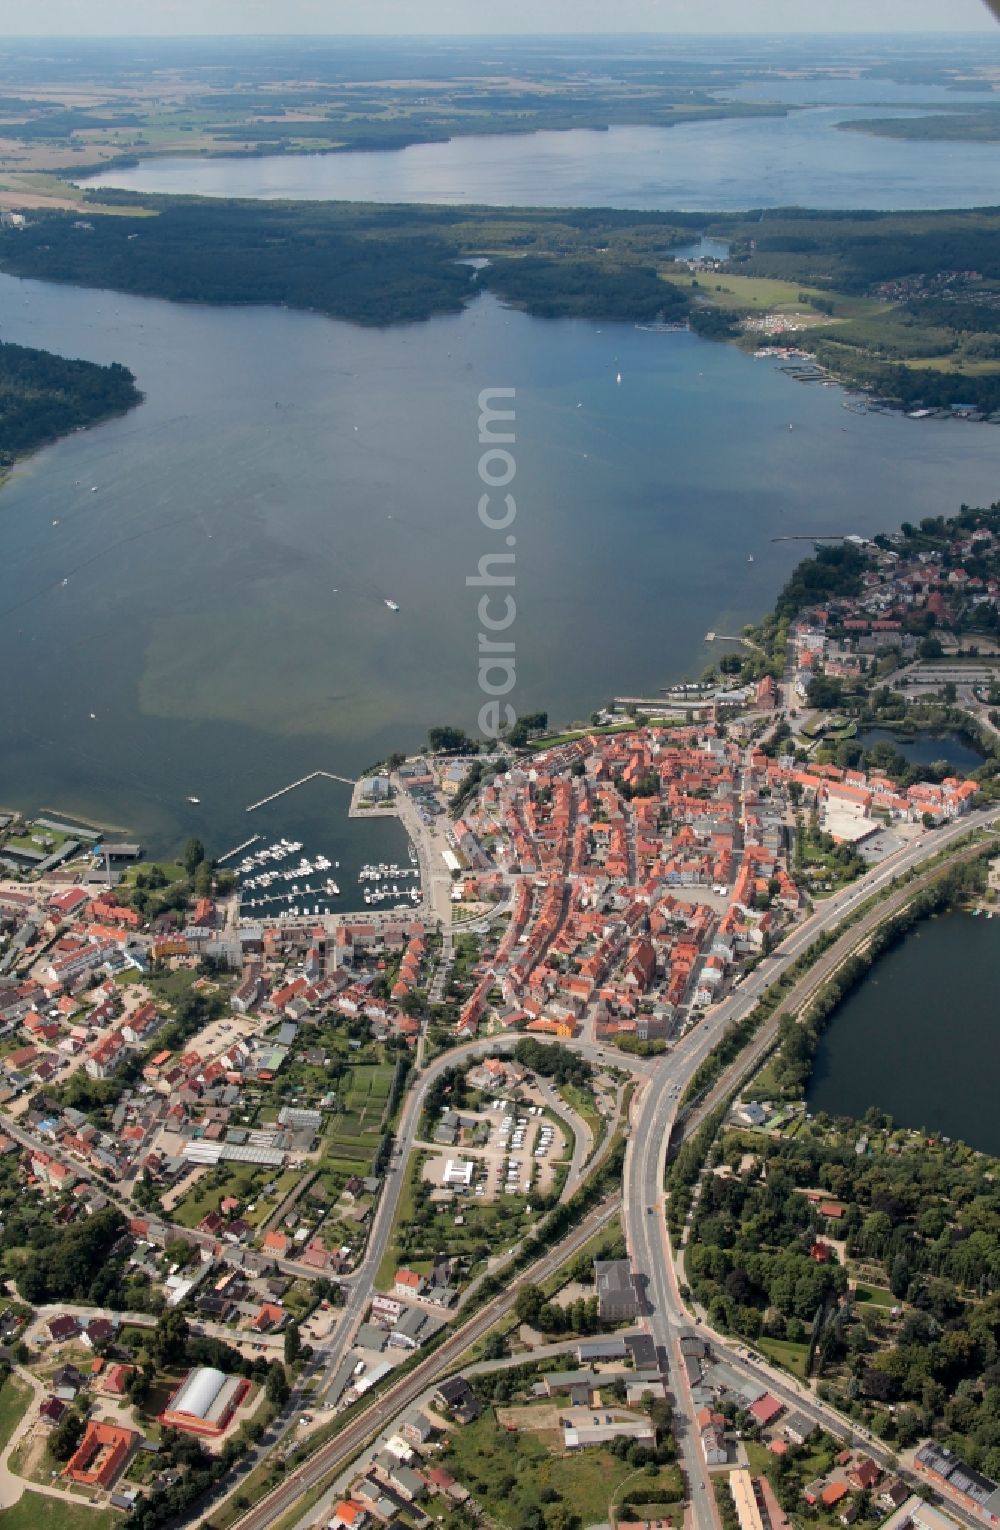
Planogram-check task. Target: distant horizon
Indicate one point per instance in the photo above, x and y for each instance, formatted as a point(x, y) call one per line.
point(74, 20)
point(868, 34)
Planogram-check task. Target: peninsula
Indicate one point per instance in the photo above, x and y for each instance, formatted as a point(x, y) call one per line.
point(43, 397)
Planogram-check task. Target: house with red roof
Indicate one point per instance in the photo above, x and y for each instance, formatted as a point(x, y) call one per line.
point(348, 1515)
point(276, 1243)
point(765, 1410)
point(407, 1283)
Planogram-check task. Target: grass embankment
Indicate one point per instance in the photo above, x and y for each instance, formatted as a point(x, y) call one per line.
point(569, 736)
point(405, 1206)
point(583, 1104)
point(15, 1395)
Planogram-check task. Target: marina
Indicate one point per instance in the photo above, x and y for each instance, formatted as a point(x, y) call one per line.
point(279, 882)
point(381, 883)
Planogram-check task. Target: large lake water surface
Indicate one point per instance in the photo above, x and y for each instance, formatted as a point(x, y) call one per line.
point(219, 603)
point(719, 165)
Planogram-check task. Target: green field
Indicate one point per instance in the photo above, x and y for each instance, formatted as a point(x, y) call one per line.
point(355, 1131)
point(15, 1396)
point(959, 363)
point(33, 1511)
point(509, 1473)
point(768, 294)
point(791, 1356)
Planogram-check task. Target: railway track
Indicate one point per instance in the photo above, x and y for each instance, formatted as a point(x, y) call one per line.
point(352, 1439)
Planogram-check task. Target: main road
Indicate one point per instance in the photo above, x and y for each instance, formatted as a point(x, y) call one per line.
point(645, 1165)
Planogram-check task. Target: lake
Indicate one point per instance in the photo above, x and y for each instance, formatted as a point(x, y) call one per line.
point(720, 165)
point(219, 603)
point(927, 749)
point(902, 1043)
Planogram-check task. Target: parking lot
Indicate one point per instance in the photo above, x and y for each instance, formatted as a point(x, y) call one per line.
point(885, 843)
point(521, 1150)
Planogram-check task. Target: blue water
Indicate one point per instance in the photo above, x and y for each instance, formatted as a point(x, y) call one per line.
point(924, 749)
point(224, 613)
point(700, 166)
point(919, 1038)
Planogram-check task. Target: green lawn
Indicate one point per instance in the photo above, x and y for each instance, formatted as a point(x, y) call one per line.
point(33, 1511)
point(171, 986)
point(878, 1296)
point(758, 1457)
point(791, 1356)
point(172, 871)
point(15, 1395)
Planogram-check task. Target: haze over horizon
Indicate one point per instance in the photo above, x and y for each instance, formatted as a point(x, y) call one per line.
point(180, 18)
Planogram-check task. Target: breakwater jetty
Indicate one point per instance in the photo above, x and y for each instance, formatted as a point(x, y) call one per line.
point(327, 775)
point(237, 848)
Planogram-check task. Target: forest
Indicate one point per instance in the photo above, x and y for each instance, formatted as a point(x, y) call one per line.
point(853, 251)
point(913, 1348)
point(81, 1263)
point(918, 1222)
point(833, 570)
point(371, 265)
point(43, 397)
point(912, 300)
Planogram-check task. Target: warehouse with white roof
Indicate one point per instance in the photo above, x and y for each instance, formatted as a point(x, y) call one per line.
point(205, 1401)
